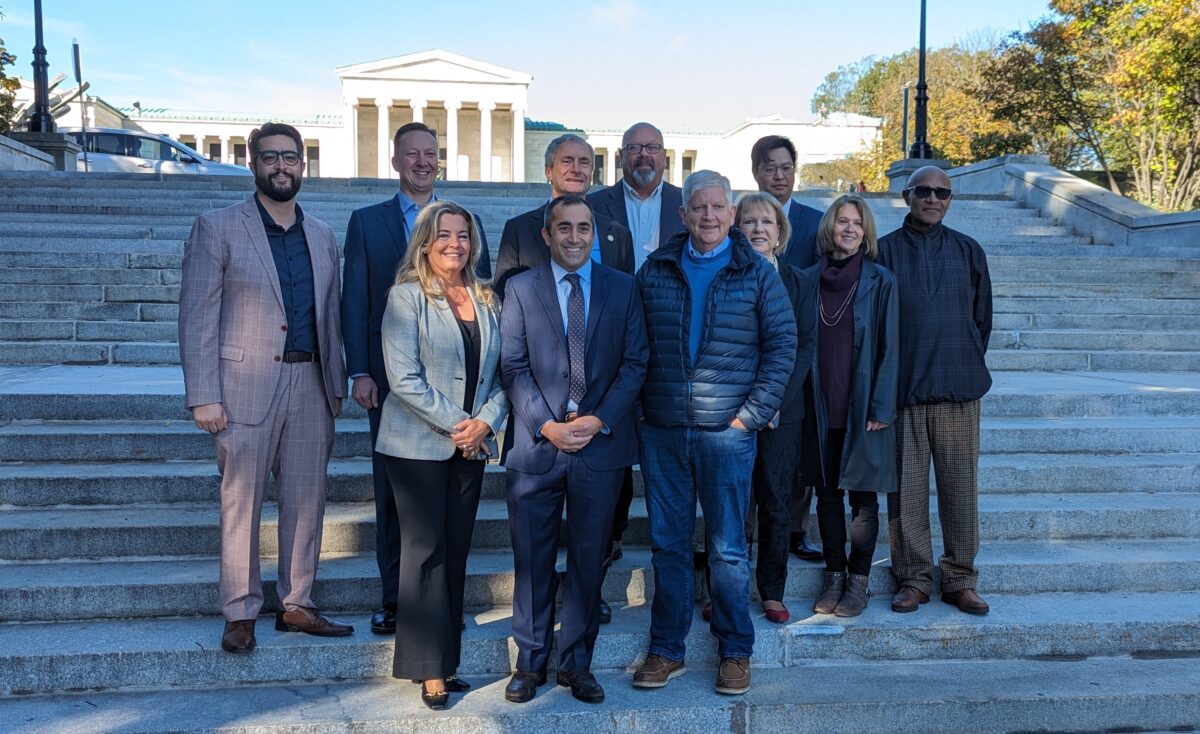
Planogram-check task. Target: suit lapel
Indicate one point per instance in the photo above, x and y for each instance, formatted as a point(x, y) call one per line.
point(321, 273)
point(548, 295)
point(596, 302)
point(393, 218)
point(617, 203)
point(258, 240)
point(442, 307)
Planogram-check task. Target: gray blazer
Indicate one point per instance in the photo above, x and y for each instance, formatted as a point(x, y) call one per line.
point(231, 320)
point(425, 360)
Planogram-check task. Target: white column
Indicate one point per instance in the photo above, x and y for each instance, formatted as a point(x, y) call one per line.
point(418, 108)
point(610, 167)
point(485, 140)
point(200, 144)
point(384, 137)
point(452, 109)
point(518, 144)
point(677, 168)
point(350, 125)
point(226, 153)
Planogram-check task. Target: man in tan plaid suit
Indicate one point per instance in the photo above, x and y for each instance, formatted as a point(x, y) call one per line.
point(263, 372)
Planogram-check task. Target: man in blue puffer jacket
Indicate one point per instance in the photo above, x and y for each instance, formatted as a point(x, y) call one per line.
point(722, 343)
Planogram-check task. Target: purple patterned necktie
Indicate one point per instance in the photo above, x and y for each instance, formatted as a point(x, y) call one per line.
point(575, 329)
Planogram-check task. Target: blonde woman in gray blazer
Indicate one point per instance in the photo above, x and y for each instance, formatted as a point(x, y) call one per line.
point(441, 349)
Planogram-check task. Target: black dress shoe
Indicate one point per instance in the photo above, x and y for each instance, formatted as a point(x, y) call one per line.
point(383, 622)
point(435, 701)
point(454, 684)
point(605, 612)
point(523, 686)
point(801, 549)
point(583, 685)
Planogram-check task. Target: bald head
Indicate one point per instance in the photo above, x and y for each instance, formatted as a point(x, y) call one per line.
point(643, 158)
point(928, 196)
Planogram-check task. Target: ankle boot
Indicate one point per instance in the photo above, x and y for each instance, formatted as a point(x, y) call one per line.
point(831, 592)
point(854, 600)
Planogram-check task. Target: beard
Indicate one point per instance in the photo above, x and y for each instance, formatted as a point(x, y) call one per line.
point(643, 177)
point(275, 191)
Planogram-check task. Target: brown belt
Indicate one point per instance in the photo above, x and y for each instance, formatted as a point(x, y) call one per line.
point(300, 357)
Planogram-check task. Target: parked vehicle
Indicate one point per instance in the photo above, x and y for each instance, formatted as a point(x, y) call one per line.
point(112, 150)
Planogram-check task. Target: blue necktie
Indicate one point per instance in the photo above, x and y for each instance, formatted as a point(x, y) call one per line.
point(575, 330)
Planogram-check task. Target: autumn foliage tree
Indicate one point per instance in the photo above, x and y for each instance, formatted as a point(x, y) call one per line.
point(8, 87)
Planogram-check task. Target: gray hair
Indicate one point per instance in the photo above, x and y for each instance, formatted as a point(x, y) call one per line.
point(705, 180)
point(552, 148)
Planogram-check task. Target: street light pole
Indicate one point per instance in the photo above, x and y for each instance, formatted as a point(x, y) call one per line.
point(40, 119)
point(920, 146)
point(904, 125)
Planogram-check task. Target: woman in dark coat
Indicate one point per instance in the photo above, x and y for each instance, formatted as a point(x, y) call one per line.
point(855, 371)
point(762, 220)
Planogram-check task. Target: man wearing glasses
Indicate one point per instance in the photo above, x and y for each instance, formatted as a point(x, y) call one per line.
point(945, 322)
point(263, 372)
point(773, 161)
point(642, 201)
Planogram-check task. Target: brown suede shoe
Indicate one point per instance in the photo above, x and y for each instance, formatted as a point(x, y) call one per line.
point(238, 636)
point(310, 621)
point(656, 671)
point(908, 599)
point(733, 676)
point(967, 601)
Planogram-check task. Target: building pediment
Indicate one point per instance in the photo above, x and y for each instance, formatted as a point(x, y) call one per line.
point(433, 66)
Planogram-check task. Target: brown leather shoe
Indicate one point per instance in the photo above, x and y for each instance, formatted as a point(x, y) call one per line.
point(311, 621)
point(733, 676)
point(238, 636)
point(967, 601)
point(655, 671)
point(908, 599)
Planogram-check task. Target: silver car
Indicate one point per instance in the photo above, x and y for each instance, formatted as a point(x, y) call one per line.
point(112, 150)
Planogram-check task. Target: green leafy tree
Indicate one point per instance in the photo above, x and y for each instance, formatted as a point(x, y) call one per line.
point(8, 88)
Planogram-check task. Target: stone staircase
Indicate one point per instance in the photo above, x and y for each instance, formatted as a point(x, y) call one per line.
point(1089, 513)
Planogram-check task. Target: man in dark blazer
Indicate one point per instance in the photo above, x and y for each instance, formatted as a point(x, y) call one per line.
point(642, 201)
point(376, 240)
point(572, 361)
point(569, 160)
point(773, 162)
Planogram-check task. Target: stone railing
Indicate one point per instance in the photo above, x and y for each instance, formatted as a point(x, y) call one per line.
point(16, 156)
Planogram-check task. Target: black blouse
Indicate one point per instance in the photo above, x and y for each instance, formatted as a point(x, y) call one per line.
point(471, 342)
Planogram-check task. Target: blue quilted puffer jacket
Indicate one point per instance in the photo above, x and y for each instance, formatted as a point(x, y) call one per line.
point(747, 350)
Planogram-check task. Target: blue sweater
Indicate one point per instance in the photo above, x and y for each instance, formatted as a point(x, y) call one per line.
point(700, 271)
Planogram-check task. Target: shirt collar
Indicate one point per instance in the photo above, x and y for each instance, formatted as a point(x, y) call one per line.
point(787, 206)
point(269, 221)
point(406, 203)
point(630, 193)
point(585, 272)
point(718, 250)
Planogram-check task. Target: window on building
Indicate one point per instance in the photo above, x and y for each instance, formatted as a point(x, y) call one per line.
point(214, 152)
point(313, 165)
point(689, 165)
point(239, 154)
point(598, 169)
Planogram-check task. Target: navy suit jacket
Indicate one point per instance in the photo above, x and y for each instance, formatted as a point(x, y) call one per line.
point(522, 246)
point(802, 249)
point(375, 245)
point(611, 203)
point(535, 367)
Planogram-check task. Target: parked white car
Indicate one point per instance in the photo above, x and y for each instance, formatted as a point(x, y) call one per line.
point(112, 150)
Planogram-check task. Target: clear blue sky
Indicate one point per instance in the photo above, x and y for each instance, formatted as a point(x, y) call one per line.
point(704, 64)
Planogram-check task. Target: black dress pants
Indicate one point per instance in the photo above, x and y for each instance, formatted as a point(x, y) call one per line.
point(831, 516)
point(775, 467)
point(436, 502)
point(387, 522)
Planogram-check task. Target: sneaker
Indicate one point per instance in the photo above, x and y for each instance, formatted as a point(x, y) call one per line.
point(656, 670)
point(733, 676)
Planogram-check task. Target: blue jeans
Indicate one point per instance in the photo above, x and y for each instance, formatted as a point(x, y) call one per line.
point(679, 466)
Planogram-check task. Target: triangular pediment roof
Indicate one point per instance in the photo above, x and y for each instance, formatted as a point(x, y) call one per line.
point(434, 65)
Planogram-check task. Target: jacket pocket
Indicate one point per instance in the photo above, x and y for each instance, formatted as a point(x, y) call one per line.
point(234, 354)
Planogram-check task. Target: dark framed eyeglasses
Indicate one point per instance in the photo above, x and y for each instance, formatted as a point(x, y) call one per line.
point(635, 148)
point(923, 192)
point(269, 157)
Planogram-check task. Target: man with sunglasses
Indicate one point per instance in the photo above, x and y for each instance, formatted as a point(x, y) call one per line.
point(641, 200)
point(945, 322)
point(262, 362)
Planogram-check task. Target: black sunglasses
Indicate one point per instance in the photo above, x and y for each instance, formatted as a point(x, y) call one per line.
point(923, 192)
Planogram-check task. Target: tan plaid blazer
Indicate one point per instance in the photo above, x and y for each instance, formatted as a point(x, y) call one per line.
point(231, 318)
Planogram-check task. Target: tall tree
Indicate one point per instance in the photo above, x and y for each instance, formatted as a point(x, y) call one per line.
point(8, 87)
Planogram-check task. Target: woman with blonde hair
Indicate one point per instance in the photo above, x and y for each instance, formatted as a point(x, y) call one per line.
point(855, 378)
point(441, 349)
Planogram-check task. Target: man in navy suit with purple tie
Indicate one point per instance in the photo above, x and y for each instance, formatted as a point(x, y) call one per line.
point(572, 361)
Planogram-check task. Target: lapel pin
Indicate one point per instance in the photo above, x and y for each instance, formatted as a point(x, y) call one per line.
point(610, 238)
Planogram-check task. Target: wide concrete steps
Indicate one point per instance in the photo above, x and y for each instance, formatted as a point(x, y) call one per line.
point(114, 654)
point(938, 697)
point(168, 586)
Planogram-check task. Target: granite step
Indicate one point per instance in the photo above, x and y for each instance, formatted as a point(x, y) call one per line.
point(937, 696)
point(185, 586)
point(1096, 341)
point(1026, 360)
point(108, 654)
point(31, 534)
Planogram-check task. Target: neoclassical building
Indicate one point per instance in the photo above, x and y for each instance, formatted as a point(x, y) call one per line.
point(480, 112)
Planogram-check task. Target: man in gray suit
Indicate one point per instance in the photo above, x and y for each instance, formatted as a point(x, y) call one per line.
point(263, 372)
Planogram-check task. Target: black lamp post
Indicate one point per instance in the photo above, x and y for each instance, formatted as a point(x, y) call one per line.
point(920, 146)
point(40, 119)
